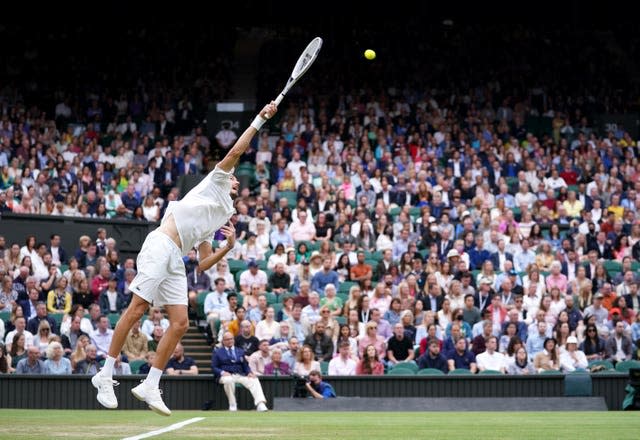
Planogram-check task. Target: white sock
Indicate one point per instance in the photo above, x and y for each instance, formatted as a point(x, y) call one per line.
point(153, 378)
point(107, 370)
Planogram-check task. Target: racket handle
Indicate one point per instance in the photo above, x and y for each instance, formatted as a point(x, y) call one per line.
point(278, 101)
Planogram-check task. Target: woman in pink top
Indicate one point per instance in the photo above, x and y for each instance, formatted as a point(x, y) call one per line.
point(371, 337)
point(557, 279)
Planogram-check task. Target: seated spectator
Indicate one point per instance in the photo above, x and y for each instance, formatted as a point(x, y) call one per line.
point(618, 347)
point(317, 388)
point(230, 367)
point(70, 340)
point(136, 345)
point(593, 346)
point(521, 364)
point(548, 358)
point(268, 328)
point(197, 281)
point(279, 280)
point(246, 341)
point(277, 367)
point(461, 357)
point(59, 299)
point(572, 359)
point(343, 364)
point(42, 315)
point(433, 358)
point(399, 347)
point(154, 319)
point(56, 363)
point(320, 343)
point(179, 364)
point(79, 354)
point(101, 336)
point(32, 363)
point(260, 358)
point(77, 310)
point(491, 359)
point(305, 362)
point(152, 344)
point(112, 301)
point(43, 336)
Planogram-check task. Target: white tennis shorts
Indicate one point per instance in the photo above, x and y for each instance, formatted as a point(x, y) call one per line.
point(161, 277)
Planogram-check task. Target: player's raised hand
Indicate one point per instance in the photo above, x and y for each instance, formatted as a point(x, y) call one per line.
point(229, 232)
point(269, 110)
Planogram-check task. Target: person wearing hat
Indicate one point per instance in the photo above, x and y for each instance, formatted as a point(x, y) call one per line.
point(482, 298)
point(572, 359)
point(253, 276)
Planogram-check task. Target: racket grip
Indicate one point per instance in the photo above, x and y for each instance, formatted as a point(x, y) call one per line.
point(278, 101)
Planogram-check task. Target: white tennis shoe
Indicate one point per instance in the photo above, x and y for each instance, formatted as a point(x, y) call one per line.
point(104, 385)
point(152, 397)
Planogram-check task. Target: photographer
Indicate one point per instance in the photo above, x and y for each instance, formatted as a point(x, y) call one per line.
point(317, 388)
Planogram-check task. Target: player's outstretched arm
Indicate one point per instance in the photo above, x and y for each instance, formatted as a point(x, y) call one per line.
point(241, 145)
point(208, 257)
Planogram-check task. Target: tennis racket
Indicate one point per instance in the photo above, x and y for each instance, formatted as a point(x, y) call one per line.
point(305, 61)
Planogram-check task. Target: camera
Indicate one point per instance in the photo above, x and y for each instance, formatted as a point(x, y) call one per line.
point(300, 386)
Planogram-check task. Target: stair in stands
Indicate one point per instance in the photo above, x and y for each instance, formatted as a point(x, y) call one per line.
point(195, 345)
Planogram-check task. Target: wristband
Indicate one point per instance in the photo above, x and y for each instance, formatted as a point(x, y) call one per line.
point(258, 122)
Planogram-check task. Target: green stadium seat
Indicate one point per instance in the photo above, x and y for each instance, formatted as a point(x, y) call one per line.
point(135, 365)
point(345, 286)
point(341, 320)
point(272, 298)
point(460, 372)
point(625, 366)
point(401, 372)
point(324, 368)
point(276, 307)
point(489, 372)
point(200, 303)
point(113, 319)
point(4, 316)
point(612, 266)
point(57, 317)
point(608, 365)
point(552, 373)
point(291, 196)
point(236, 266)
point(430, 372)
point(407, 365)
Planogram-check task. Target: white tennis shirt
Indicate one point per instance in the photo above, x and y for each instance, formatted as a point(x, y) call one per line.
point(204, 209)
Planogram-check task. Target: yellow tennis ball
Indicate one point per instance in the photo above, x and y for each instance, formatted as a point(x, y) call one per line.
point(369, 54)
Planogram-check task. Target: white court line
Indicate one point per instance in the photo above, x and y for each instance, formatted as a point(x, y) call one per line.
point(167, 429)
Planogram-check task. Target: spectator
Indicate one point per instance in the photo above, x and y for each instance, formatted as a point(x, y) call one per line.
point(91, 363)
point(461, 357)
point(399, 347)
point(32, 363)
point(136, 345)
point(343, 364)
point(618, 347)
point(277, 366)
point(320, 343)
point(548, 358)
point(42, 315)
point(179, 364)
point(101, 336)
point(491, 359)
point(521, 364)
point(154, 319)
point(56, 364)
point(70, 340)
point(433, 358)
point(260, 358)
point(112, 301)
point(230, 367)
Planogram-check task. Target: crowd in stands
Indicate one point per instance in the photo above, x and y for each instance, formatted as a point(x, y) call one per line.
point(381, 226)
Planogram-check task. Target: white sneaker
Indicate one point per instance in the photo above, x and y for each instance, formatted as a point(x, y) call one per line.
point(104, 385)
point(262, 407)
point(233, 408)
point(152, 397)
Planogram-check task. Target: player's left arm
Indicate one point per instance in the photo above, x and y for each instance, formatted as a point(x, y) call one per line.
point(209, 257)
point(241, 145)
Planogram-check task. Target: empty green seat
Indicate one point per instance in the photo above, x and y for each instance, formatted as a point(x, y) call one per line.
point(408, 365)
point(460, 372)
point(135, 365)
point(490, 372)
point(430, 372)
point(625, 366)
point(401, 372)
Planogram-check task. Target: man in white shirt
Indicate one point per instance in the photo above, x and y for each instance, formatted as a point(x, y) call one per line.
point(21, 326)
point(342, 365)
point(214, 304)
point(571, 358)
point(191, 222)
point(491, 359)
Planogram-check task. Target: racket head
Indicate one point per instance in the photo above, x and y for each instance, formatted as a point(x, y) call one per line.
point(307, 58)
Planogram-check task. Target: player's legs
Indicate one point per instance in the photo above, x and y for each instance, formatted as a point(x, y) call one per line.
point(133, 313)
point(179, 323)
point(148, 390)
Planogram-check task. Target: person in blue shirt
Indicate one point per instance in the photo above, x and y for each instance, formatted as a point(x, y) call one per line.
point(317, 388)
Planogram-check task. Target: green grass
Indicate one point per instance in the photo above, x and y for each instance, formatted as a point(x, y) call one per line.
point(49, 424)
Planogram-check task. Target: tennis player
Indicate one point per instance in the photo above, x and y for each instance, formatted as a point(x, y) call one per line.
point(188, 223)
